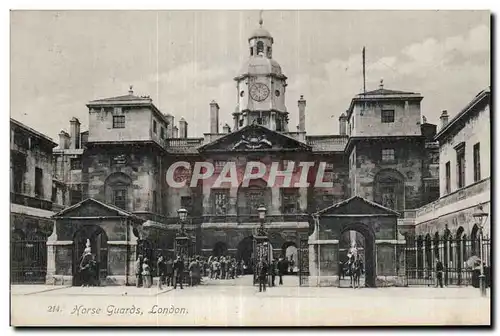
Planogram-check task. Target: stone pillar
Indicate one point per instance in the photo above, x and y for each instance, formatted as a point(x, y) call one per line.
point(302, 114)
point(233, 201)
point(275, 201)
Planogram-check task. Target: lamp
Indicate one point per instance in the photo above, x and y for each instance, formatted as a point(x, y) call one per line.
point(182, 214)
point(262, 212)
point(480, 218)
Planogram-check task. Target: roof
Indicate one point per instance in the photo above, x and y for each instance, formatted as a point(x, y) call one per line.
point(345, 202)
point(118, 211)
point(252, 128)
point(382, 94)
point(129, 97)
point(33, 132)
point(480, 98)
point(260, 65)
point(260, 32)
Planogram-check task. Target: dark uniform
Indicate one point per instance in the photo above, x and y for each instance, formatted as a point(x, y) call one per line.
point(263, 269)
point(169, 272)
point(439, 273)
point(178, 272)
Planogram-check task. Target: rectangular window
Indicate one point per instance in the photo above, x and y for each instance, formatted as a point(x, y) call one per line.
point(119, 121)
point(155, 125)
point(241, 122)
point(388, 155)
point(221, 202)
point(477, 163)
point(290, 200)
point(76, 164)
point(259, 120)
point(448, 177)
point(162, 132)
point(38, 182)
point(387, 116)
point(120, 198)
point(219, 165)
point(460, 165)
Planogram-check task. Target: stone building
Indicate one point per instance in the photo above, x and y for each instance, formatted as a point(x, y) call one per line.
point(31, 202)
point(446, 228)
point(378, 170)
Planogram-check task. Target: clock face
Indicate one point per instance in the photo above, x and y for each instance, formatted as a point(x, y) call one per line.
point(259, 91)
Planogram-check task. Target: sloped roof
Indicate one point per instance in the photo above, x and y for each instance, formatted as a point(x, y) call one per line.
point(385, 92)
point(112, 208)
point(478, 99)
point(254, 127)
point(358, 198)
point(121, 99)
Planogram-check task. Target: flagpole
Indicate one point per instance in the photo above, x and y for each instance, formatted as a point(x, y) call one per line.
point(364, 71)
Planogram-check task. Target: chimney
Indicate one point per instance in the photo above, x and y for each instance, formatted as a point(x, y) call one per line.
point(302, 114)
point(214, 117)
point(183, 128)
point(444, 118)
point(64, 139)
point(226, 129)
point(170, 125)
point(175, 132)
point(75, 133)
point(343, 124)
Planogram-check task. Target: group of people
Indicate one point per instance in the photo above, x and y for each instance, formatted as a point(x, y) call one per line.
point(170, 272)
point(224, 268)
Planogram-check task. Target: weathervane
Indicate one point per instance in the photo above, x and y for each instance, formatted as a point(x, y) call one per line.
point(261, 21)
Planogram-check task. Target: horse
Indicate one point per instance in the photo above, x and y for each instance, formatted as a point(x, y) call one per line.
point(355, 271)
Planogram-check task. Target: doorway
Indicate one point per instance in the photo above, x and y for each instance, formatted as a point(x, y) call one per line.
point(357, 242)
point(98, 248)
point(245, 253)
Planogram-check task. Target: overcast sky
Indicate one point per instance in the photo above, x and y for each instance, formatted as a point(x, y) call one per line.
point(185, 59)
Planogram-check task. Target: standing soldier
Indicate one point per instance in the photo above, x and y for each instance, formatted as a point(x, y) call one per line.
point(169, 272)
point(178, 271)
point(138, 270)
point(263, 269)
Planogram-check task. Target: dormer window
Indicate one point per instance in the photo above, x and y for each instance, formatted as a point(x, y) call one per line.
point(269, 52)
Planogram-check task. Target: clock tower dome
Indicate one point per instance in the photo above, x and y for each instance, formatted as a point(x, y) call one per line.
point(261, 86)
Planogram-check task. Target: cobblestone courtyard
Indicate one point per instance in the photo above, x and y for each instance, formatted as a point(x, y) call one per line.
point(236, 303)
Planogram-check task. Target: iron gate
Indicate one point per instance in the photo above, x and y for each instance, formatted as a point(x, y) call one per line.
point(456, 256)
point(303, 254)
point(28, 261)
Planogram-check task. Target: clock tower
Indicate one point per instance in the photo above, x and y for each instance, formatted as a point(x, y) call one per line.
point(261, 86)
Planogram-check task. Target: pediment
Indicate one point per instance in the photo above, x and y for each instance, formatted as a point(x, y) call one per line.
point(93, 208)
point(255, 138)
point(357, 206)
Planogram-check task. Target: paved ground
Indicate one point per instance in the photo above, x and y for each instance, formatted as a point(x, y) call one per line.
point(236, 302)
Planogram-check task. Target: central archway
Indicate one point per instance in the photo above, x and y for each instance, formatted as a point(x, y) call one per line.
point(99, 248)
point(364, 238)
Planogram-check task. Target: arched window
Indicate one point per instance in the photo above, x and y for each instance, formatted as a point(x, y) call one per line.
point(118, 190)
point(260, 47)
point(389, 189)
